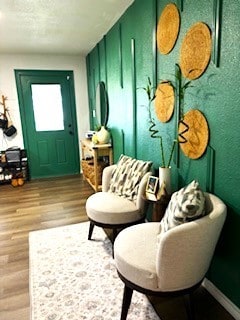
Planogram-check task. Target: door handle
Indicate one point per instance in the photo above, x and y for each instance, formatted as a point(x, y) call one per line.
point(71, 133)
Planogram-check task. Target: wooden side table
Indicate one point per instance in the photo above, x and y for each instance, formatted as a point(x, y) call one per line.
point(95, 152)
point(159, 207)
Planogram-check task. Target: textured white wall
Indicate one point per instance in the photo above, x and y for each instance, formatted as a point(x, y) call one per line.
point(41, 62)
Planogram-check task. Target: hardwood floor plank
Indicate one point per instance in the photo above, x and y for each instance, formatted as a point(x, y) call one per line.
point(15, 305)
point(19, 313)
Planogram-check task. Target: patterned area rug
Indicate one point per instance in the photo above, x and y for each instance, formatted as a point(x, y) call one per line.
point(74, 278)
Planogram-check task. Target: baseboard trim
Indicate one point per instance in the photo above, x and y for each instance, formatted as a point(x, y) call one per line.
point(222, 299)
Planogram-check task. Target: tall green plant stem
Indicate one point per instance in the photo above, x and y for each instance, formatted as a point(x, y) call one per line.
point(171, 153)
point(162, 153)
point(154, 132)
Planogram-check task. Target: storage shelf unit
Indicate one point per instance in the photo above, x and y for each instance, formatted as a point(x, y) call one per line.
point(95, 157)
point(9, 170)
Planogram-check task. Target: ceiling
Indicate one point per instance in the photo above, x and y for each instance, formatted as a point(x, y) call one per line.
point(56, 26)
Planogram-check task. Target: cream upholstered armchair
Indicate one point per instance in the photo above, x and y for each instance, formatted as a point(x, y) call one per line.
point(173, 262)
point(120, 203)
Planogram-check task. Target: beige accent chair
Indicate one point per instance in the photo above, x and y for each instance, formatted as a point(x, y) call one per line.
point(108, 210)
point(172, 263)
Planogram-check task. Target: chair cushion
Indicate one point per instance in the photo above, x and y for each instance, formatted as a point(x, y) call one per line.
point(135, 250)
point(186, 205)
point(108, 208)
point(127, 176)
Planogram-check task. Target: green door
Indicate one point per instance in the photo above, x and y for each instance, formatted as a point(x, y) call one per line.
point(48, 115)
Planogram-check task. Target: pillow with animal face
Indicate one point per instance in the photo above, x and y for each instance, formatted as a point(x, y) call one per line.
point(186, 205)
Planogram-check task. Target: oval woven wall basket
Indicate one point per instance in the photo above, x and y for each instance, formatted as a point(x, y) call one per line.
point(164, 101)
point(168, 28)
point(195, 51)
point(196, 136)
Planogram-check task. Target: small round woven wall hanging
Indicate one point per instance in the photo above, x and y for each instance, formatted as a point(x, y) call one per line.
point(168, 28)
point(195, 51)
point(164, 101)
point(196, 136)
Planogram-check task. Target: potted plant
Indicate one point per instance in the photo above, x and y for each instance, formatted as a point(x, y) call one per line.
point(180, 86)
point(154, 132)
point(165, 168)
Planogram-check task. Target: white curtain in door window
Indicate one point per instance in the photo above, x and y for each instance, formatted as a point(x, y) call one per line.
point(47, 106)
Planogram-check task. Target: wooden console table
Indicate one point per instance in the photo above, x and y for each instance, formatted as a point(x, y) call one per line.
point(94, 158)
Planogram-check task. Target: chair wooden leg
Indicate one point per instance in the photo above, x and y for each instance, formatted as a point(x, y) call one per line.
point(115, 233)
point(127, 297)
point(188, 300)
point(90, 231)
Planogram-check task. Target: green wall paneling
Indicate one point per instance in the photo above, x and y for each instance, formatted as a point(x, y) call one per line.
point(90, 94)
point(120, 55)
point(180, 4)
point(145, 67)
point(215, 94)
point(94, 62)
point(118, 142)
point(224, 270)
point(102, 61)
point(133, 77)
point(217, 24)
point(93, 67)
point(210, 169)
point(128, 80)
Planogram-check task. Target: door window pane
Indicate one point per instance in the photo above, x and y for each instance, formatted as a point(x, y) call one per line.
point(47, 106)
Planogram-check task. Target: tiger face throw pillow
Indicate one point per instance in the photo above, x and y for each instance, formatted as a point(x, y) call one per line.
point(186, 205)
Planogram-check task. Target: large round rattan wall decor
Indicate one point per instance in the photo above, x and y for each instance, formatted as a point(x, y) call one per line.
point(196, 136)
point(168, 28)
point(164, 101)
point(195, 51)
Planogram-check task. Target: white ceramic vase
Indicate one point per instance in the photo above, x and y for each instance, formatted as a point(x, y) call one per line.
point(165, 176)
point(103, 135)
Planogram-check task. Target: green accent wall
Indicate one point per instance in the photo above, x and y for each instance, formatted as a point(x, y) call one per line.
point(126, 56)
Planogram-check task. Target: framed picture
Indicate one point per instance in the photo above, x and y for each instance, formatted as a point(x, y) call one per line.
point(152, 188)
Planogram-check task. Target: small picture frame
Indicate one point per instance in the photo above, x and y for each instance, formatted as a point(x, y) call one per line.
point(152, 188)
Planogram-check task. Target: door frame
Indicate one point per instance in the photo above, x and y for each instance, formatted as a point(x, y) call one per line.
point(19, 73)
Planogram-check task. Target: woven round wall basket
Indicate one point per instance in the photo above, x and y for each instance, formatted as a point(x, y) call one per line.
point(195, 51)
point(168, 28)
point(196, 136)
point(164, 101)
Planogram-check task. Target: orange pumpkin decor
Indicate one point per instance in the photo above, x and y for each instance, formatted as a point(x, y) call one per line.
point(14, 182)
point(20, 181)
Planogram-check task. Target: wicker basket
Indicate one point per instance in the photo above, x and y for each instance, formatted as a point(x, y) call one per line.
point(100, 166)
point(88, 170)
point(87, 167)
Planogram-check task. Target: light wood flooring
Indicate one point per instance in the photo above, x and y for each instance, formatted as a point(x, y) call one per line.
point(48, 203)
